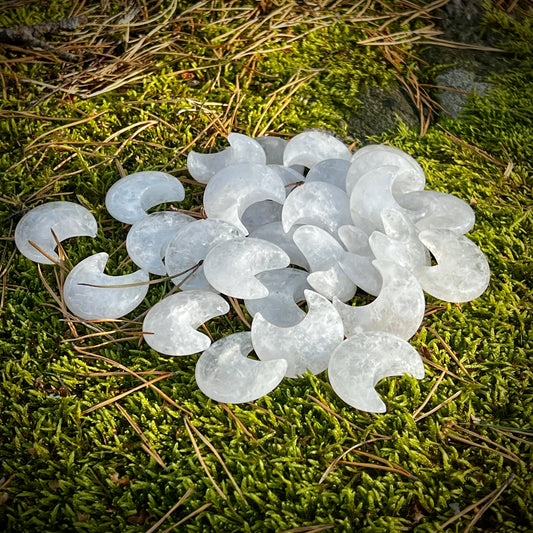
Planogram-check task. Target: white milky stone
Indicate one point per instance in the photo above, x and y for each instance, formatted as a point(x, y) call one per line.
point(310, 147)
point(260, 214)
point(306, 345)
point(242, 149)
point(274, 148)
point(286, 287)
point(462, 272)
point(331, 171)
point(231, 266)
point(224, 373)
point(235, 188)
point(398, 309)
point(372, 193)
point(319, 204)
point(376, 155)
point(400, 242)
point(361, 272)
point(148, 238)
point(170, 325)
point(323, 253)
point(438, 210)
point(128, 199)
point(362, 361)
point(355, 240)
point(66, 219)
point(191, 245)
point(273, 232)
point(93, 303)
point(290, 177)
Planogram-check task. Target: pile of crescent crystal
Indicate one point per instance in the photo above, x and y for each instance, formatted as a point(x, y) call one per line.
point(293, 230)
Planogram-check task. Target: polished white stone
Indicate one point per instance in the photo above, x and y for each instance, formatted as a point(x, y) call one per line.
point(332, 171)
point(372, 156)
point(285, 288)
point(170, 325)
point(96, 303)
point(231, 266)
point(291, 178)
point(310, 147)
point(362, 361)
point(128, 199)
point(224, 373)
point(319, 204)
point(65, 219)
point(191, 245)
point(242, 149)
point(232, 190)
point(355, 240)
point(148, 238)
point(306, 345)
point(361, 272)
point(462, 272)
point(273, 147)
point(398, 309)
point(260, 214)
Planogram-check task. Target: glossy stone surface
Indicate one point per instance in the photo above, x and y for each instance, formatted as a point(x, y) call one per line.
point(65, 219)
point(224, 373)
point(332, 171)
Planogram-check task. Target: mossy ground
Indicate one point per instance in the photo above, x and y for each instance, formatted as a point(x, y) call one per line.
point(64, 471)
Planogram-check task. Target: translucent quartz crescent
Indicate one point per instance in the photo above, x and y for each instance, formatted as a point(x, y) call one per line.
point(323, 253)
point(362, 361)
point(66, 219)
point(400, 242)
point(361, 272)
point(148, 238)
point(225, 374)
point(128, 199)
point(242, 149)
point(233, 189)
point(355, 240)
point(438, 210)
point(230, 267)
point(91, 303)
point(290, 177)
point(286, 287)
point(319, 204)
point(310, 147)
point(332, 171)
point(170, 325)
point(306, 345)
point(191, 245)
point(273, 232)
point(261, 213)
point(376, 155)
point(398, 309)
point(274, 148)
point(462, 272)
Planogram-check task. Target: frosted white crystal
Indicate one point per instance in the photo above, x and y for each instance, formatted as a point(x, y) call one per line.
point(274, 148)
point(462, 272)
point(372, 156)
point(66, 219)
point(91, 303)
point(235, 188)
point(224, 373)
point(331, 171)
point(355, 240)
point(191, 245)
point(128, 199)
point(285, 288)
point(361, 272)
point(242, 149)
point(362, 361)
point(438, 210)
point(317, 203)
point(148, 238)
point(310, 147)
point(170, 325)
point(290, 177)
point(260, 214)
point(231, 266)
point(398, 309)
point(306, 345)
point(323, 253)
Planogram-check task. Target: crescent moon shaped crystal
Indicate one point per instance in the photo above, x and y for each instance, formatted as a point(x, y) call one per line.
point(224, 373)
point(95, 303)
point(66, 219)
point(359, 363)
point(130, 197)
point(170, 325)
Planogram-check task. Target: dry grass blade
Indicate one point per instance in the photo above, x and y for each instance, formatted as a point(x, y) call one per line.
point(168, 513)
point(430, 394)
point(238, 422)
point(120, 374)
point(48, 256)
point(235, 304)
point(336, 415)
point(147, 444)
point(188, 517)
point(219, 458)
point(377, 467)
point(309, 529)
point(450, 352)
point(435, 409)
